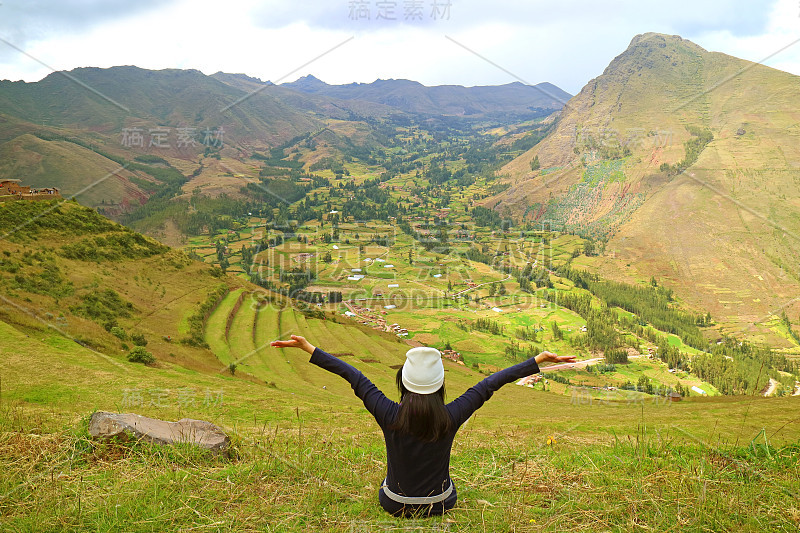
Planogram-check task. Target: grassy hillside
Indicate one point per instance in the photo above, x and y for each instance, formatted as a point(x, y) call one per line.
point(78, 291)
point(93, 179)
point(311, 458)
point(66, 268)
point(684, 163)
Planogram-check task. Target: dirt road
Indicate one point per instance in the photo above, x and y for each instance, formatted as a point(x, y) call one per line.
point(771, 388)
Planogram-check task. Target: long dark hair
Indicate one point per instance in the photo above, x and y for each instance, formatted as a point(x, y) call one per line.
point(422, 415)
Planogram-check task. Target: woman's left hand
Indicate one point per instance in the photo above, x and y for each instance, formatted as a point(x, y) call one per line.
point(295, 342)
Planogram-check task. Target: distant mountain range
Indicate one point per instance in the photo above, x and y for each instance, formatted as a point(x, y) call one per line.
point(687, 162)
point(413, 97)
point(100, 108)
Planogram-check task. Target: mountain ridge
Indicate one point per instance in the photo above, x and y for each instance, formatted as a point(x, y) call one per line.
point(413, 96)
point(685, 164)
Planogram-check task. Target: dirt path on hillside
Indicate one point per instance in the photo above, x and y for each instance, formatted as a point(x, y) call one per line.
point(481, 285)
point(771, 388)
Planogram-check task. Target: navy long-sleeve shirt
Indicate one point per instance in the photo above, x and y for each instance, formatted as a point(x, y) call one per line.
point(415, 467)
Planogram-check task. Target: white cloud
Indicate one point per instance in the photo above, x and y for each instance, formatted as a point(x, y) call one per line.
point(566, 42)
point(778, 46)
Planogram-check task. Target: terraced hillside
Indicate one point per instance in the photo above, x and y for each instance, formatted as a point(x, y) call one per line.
point(243, 324)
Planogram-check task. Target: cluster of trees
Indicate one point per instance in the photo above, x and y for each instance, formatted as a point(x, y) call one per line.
point(788, 324)
point(616, 356)
point(103, 307)
point(532, 138)
point(528, 333)
point(516, 351)
point(651, 304)
point(489, 218)
point(645, 385)
point(693, 147)
point(488, 325)
point(740, 367)
point(436, 172)
point(296, 279)
point(530, 277)
point(309, 296)
point(557, 332)
point(601, 331)
point(170, 181)
point(276, 191)
point(370, 202)
point(733, 367)
point(557, 378)
point(498, 289)
point(112, 247)
point(602, 368)
point(482, 155)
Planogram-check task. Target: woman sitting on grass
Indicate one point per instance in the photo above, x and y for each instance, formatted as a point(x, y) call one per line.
point(419, 431)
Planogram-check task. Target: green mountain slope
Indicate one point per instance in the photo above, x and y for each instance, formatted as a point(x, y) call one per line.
point(76, 170)
point(98, 109)
point(686, 164)
point(181, 118)
point(109, 99)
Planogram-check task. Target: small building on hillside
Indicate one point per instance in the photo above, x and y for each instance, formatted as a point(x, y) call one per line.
point(14, 188)
point(452, 355)
point(10, 186)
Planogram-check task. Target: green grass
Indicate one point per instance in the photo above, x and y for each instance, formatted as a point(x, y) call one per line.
point(313, 460)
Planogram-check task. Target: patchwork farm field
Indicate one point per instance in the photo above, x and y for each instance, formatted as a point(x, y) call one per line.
point(431, 299)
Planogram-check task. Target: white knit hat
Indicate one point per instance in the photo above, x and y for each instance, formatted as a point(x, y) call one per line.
point(423, 371)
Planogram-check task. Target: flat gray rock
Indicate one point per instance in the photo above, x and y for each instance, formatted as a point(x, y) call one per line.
point(203, 434)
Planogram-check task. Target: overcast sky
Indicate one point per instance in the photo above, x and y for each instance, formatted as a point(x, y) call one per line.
point(466, 42)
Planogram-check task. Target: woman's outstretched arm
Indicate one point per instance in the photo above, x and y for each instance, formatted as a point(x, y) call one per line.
point(462, 407)
point(374, 400)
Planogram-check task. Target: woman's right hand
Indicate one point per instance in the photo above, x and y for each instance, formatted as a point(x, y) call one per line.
point(295, 342)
